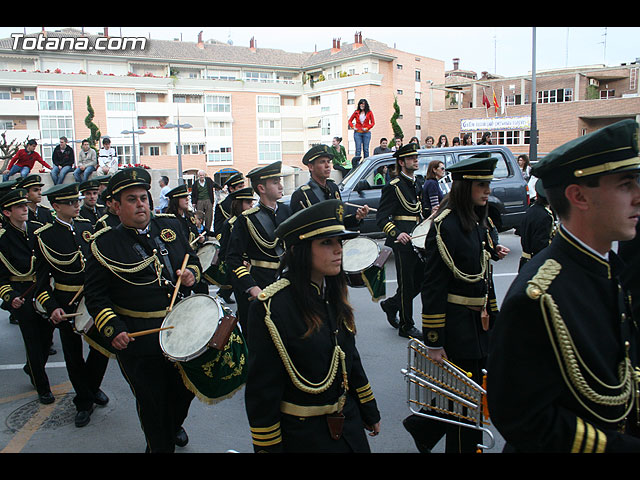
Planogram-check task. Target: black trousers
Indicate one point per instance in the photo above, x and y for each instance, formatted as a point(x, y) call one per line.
point(85, 375)
point(409, 273)
point(37, 334)
point(162, 399)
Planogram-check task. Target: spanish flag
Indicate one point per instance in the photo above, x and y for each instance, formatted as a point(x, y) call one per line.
point(495, 101)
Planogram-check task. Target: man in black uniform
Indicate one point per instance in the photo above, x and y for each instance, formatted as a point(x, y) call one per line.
point(90, 209)
point(130, 280)
point(62, 249)
point(538, 226)
point(33, 185)
point(563, 357)
point(253, 238)
point(18, 266)
point(222, 210)
point(399, 212)
point(110, 218)
point(319, 160)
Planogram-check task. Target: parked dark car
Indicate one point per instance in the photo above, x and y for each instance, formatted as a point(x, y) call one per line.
point(507, 204)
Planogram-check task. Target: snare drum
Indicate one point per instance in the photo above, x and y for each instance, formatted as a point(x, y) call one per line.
point(358, 254)
point(419, 235)
point(211, 374)
point(83, 325)
point(83, 322)
point(40, 310)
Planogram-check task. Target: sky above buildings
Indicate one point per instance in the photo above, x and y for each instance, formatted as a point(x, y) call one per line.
point(505, 51)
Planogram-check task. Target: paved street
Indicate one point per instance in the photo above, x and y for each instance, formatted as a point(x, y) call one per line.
point(28, 426)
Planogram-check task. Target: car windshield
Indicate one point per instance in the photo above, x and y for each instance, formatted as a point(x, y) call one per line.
point(349, 182)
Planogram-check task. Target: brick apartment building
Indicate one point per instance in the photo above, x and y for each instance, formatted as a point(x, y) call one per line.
point(247, 105)
point(250, 105)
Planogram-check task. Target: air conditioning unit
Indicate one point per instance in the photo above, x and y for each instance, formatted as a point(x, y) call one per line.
point(594, 82)
point(15, 90)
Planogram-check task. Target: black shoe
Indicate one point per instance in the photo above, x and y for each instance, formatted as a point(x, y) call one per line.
point(100, 398)
point(412, 332)
point(415, 425)
point(391, 313)
point(46, 398)
point(52, 351)
point(83, 417)
point(181, 438)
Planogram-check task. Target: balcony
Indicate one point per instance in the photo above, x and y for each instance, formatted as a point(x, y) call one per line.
point(19, 108)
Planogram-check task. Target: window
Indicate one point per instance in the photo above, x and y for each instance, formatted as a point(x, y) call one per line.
point(221, 75)
point(192, 149)
point(6, 125)
point(555, 96)
point(121, 102)
point(633, 78)
point(269, 152)
point(502, 168)
point(124, 154)
point(268, 104)
point(604, 94)
point(261, 77)
point(154, 150)
point(269, 128)
point(5, 96)
point(219, 129)
point(55, 99)
point(399, 66)
point(417, 75)
point(217, 103)
point(219, 155)
point(351, 100)
point(52, 128)
point(399, 92)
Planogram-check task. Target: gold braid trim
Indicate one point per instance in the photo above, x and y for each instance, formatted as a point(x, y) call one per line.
point(569, 360)
point(261, 242)
point(56, 263)
point(338, 357)
point(13, 270)
point(448, 260)
point(128, 267)
point(410, 207)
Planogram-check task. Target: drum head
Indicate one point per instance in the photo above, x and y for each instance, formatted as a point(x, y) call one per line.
point(206, 253)
point(420, 232)
point(82, 323)
point(194, 321)
point(358, 254)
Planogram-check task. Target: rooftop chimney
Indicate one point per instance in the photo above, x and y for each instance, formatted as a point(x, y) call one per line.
point(358, 40)
point(200, 42)
point(456, 63)
point(253, 45)
point(336, 45)
point(106, 32)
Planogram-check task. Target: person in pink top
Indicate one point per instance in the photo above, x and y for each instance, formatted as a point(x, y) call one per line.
point(23, 161)
point(362, 121)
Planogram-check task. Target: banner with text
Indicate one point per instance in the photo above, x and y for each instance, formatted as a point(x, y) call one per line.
point(495, 124)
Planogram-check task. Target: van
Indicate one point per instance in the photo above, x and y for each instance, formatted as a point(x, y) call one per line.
point(508, 201)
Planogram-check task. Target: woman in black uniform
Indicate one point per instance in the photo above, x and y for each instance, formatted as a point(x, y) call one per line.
point(307, 390)
point(458, 299)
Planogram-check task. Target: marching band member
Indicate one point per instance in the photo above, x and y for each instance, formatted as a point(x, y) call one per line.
point(537, 227)
point(319, 160)
point(307, 390)
point(399, 212)
point(223, 209)
point(458, 300)
point(130, 279)
point(33, 185)
point(253, 240)
point(90, 209)
point(18, 266)
point(62, 247)
point(563, 362)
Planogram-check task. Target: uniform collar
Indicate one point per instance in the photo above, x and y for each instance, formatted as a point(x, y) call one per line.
point(583, 253)
point(269, 209)
point(67, 225)
point(407, 177)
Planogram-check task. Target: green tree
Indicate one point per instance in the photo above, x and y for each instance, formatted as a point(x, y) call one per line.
point(397, 131)
point(94, 136)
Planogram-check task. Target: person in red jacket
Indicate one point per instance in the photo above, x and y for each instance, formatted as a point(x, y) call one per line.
point(362, 122)
point(23, 161)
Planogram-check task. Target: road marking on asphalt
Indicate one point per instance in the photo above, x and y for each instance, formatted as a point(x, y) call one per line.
point(22, 437)
point(17, 366)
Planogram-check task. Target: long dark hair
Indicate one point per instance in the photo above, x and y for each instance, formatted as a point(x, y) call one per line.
point(296, 266)
point(459, 200)
point(172, 207)
point(366, 105)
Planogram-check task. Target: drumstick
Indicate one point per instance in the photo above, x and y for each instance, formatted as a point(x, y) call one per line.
point(76, 295)
point(147, 332)
point(360, 206)
point(71, 315)
point(196, 239)
point(175, 290)
point(26, 292)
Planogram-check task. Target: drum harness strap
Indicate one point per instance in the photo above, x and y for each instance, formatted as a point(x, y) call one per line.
point(338, 357)
point(569, 361)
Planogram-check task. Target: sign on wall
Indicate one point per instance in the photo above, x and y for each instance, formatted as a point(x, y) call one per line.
point(495, 123)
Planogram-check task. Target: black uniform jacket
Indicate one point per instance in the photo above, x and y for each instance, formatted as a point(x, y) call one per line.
point(253, 238)
point(447, 320)
point(41, 215)
point(107, 220)
point(63, 252)
point(400, 210)
point(563, 324)
point(221, 213)
point(124, 295)
point(281, 415)
point(536, 229)
point(312, 192)
point(18, 261)
point(92, 214)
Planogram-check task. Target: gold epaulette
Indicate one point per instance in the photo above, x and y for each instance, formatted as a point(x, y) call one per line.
point(81, 219)
point(441, 216)
point(103, 218)
point(2, 230)
point(394, 181)
point(305, 187)
point(270, 290)
point(165, 215)
point(232, 220)
point(100, 232)
point(540, 282)
point(251, 210)
point(43, 228)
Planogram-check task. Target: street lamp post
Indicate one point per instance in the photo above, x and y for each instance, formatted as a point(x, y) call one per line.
point(178, 126)
point(133, 138)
